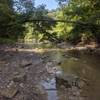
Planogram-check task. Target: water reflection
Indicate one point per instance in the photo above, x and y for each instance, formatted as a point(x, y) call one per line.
point(50, 87)
point(86, 68)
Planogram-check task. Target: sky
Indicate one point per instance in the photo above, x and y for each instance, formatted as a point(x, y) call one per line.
point(50, 4)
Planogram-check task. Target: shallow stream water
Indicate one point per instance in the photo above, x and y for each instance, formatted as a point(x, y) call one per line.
point(84, 66)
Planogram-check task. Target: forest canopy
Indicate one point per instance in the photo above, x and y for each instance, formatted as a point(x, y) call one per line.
point(81, 19)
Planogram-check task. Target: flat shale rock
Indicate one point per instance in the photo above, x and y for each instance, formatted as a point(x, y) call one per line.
point(9, 92)
point(19, 77)
point(25, 63)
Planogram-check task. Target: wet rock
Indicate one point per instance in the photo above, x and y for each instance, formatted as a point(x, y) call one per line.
point(49, 67)
point(25, 63)
point(53, 67)
point(38, 89)
point(70, 80)
point(59, 63)
point(75, 91)
point(19, 77)
point(61, 82)
point(67, 80)
point(49, 64)
point(9, 92)
point(81, 84)
point(44, 57)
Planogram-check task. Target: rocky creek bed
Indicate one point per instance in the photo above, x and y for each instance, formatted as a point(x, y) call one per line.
point(29, 75)
point(20, 73)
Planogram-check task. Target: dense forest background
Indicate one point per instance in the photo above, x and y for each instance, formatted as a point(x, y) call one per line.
point(20, 19)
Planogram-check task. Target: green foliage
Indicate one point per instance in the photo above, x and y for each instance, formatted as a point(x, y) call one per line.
point(24, 6)
point(16, 20)
point(9, 24)
point(86, 17)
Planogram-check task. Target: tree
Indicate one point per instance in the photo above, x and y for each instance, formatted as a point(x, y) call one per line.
point(9, 24)
point(43, 27)
point(85, 14)
point(24, 6)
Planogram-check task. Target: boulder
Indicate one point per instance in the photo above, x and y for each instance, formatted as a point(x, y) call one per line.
point(68, 80)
